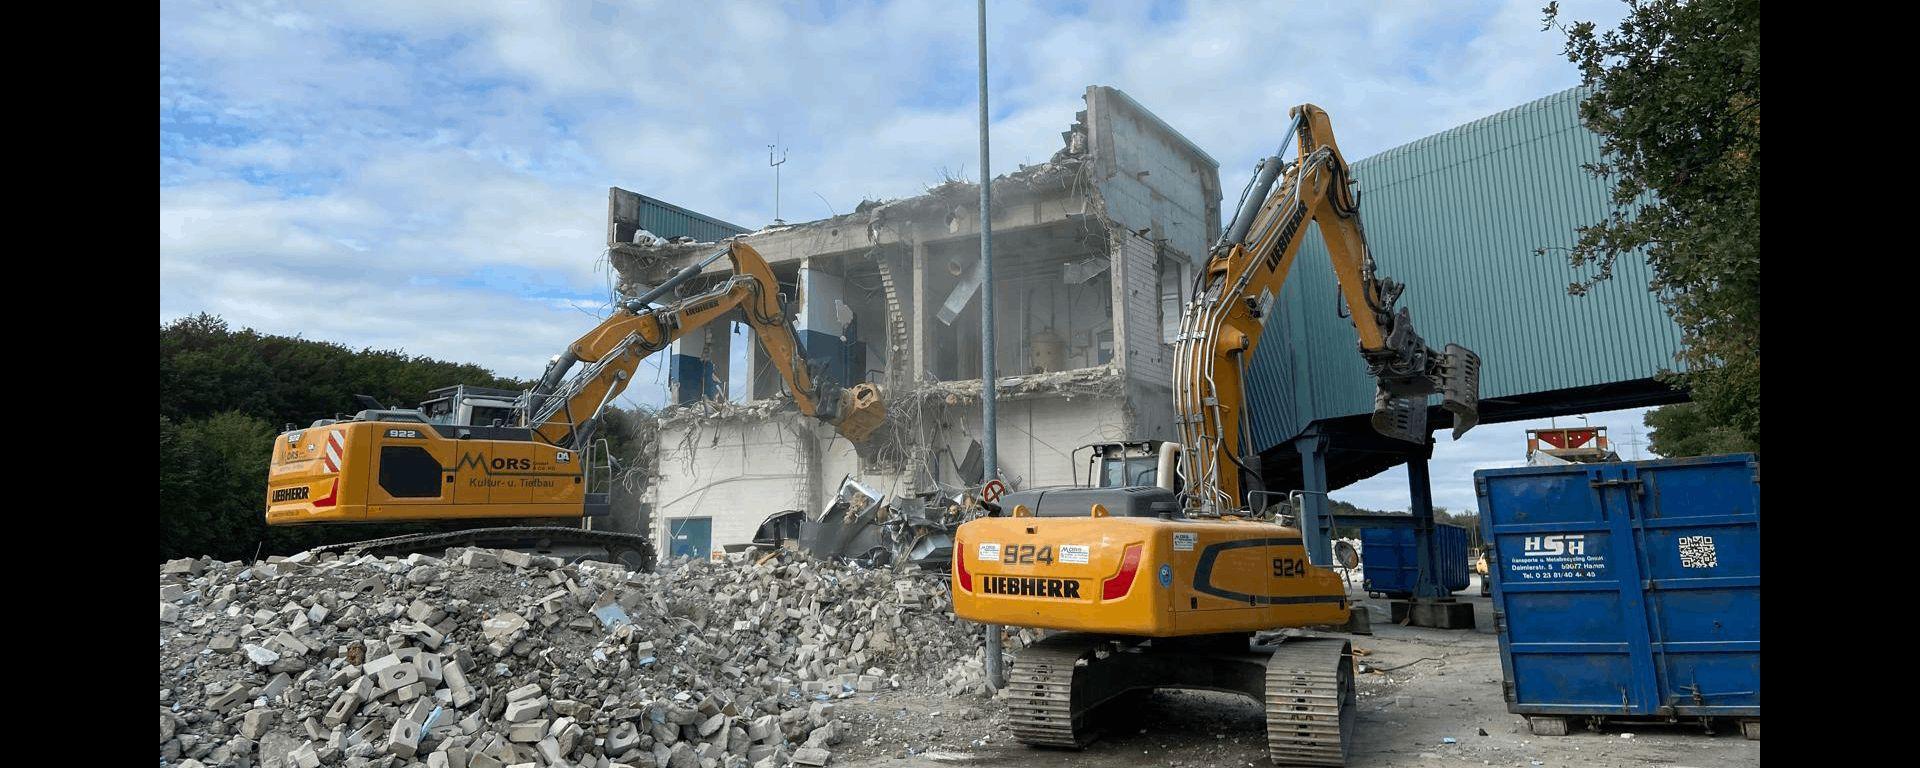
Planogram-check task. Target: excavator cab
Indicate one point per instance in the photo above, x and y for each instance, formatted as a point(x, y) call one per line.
point(1127, 464)
point(474, 406)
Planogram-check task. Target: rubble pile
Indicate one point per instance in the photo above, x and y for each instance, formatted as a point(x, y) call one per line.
point(492, 658)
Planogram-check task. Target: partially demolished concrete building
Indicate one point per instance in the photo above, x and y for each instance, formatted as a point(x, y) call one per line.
point(1094, 252)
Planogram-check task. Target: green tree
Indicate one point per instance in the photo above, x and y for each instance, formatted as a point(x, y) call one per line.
point(213, 479)
point(225, 395)
point(1676, 101)
point(1684, 429)
point(183, 522)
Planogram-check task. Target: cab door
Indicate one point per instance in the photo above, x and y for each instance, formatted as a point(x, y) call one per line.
point(407, 466)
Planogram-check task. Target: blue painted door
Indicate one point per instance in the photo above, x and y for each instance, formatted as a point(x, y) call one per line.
point(689, 537)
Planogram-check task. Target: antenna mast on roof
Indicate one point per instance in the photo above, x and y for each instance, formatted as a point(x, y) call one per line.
point(776, 176)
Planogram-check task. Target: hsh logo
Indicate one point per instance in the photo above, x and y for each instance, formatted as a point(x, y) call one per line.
point(1543, 546)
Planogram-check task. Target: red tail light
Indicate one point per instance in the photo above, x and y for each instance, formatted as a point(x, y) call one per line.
point(960, 573)
point(1122, 582)
point(332, 497)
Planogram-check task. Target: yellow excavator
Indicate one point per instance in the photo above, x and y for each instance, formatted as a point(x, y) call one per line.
point(1165, 586)
point(512, 458)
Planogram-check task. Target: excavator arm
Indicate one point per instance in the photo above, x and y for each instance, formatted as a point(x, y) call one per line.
point(562, 410)
point(1236, 292)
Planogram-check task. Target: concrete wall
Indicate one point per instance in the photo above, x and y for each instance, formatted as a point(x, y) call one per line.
point(1136, 298)
point(1152, 180)
point(738, 471)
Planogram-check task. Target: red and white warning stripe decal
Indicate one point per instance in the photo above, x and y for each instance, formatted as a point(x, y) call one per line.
point(331, 457)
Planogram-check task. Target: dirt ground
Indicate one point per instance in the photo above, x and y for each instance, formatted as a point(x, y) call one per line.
point(1404, 718)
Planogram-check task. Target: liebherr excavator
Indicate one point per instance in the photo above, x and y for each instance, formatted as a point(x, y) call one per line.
point(1163, 586)
point(532, 458)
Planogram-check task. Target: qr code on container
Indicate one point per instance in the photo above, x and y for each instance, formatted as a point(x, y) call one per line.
point(1697, 552)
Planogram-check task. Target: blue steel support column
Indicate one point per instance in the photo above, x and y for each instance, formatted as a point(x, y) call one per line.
point(1315, 519)
point(692, 375)
point(1426, 576)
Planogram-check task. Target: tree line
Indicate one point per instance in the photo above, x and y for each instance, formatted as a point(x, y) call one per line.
point(226, 394)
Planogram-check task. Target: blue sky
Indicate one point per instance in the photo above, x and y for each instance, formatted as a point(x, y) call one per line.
point(432, 175)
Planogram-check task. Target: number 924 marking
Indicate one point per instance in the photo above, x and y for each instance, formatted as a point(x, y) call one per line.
point(1022, 554)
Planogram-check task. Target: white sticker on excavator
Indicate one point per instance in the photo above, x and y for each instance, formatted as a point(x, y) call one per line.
point(1184, 541)
point(989, 552)
point(1075, 553)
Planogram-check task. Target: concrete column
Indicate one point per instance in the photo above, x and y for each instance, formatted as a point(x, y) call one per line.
point(920, 310)
point(831, 347)
point(1316, 520)
point(697, 364)
point(757, 366)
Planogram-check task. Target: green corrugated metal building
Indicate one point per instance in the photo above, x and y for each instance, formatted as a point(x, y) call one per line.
point(628, 212)
point(1457, 216)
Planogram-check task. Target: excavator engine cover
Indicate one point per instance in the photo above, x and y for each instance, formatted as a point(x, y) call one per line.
point(1074, 501)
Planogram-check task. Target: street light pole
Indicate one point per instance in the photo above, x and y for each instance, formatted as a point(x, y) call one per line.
point(989, 418)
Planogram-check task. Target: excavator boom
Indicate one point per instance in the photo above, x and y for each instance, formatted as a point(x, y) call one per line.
point(610, 352)
point(1162, 586)
point(402, 465)
point(1238, 289)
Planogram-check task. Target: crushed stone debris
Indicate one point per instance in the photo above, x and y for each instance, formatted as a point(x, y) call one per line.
point(488, 658)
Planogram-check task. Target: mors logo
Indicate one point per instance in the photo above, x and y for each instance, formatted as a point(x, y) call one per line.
point(1545, 546)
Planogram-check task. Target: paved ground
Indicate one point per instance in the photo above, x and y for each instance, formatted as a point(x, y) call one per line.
point(1404, 717)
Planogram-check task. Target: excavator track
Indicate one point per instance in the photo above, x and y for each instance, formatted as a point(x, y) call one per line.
point(1310, 702)
point(1057, 686)
point(632, 550)
point(1042, 709)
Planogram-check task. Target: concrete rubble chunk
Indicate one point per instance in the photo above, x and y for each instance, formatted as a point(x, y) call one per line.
point(261, 655)
point(524, 692)
point(255, 723)
point(397, 676)
point(186, 565)
point(344, 661)
point(403, 739)
point(515, 558)
point(527, 732)
point(525, 709)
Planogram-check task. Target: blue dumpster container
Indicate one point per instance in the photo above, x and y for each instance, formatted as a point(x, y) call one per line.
point(1388, 556)
point(1627, 588)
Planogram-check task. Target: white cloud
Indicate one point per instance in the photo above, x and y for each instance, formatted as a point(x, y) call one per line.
point(432, 175)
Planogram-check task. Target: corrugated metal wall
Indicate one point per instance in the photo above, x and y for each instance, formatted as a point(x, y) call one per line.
point(628, 210)
point(1457, 216)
